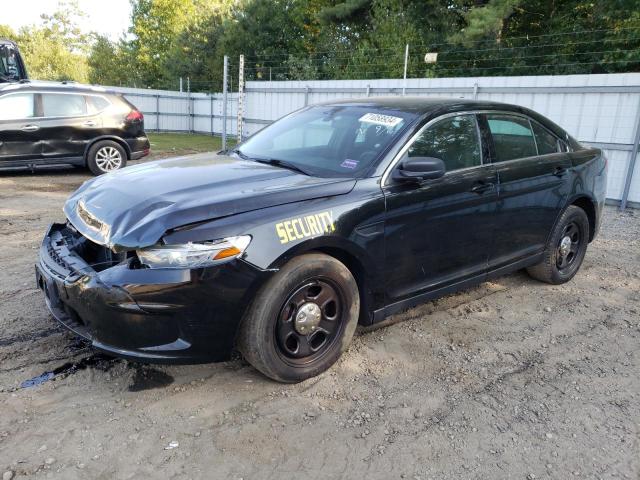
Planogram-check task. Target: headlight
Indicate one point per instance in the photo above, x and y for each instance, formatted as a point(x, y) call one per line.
point(194, 255)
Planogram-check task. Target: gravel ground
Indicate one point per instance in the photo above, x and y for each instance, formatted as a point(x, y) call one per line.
point(512, 379)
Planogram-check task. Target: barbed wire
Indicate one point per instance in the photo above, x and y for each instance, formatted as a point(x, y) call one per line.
point(508, 39)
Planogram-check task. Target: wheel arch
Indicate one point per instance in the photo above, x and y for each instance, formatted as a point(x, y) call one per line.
point(589, 206)
point(113, 138)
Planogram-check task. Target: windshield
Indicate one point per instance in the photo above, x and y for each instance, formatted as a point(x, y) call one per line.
point(328, 141)
point(9, 68)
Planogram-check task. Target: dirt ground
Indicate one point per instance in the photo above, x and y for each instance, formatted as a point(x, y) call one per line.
point(512, 379)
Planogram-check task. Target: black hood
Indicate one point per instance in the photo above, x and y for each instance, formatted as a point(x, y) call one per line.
point(132, 208)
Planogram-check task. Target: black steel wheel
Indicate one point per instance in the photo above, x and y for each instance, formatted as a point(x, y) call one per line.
point(568, 247)
point(302, 319)
point(310, 321)
point(565, 249)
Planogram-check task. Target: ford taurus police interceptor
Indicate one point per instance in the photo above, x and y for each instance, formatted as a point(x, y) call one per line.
point(336, 215)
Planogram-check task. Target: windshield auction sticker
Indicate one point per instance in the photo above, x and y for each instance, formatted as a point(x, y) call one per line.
point(379, 119)
point(305, 227)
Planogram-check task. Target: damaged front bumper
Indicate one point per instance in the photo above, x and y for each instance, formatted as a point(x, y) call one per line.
point(154, 315)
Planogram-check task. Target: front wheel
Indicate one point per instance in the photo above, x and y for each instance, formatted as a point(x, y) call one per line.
point(302, 319)
point(566, 248)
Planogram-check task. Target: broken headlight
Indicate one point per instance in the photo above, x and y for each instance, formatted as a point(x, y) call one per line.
point(194, 255)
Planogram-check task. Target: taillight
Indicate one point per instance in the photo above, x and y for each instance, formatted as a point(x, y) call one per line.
point(135, 115)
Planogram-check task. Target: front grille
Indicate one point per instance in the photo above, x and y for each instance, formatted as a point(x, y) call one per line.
point(53, 255)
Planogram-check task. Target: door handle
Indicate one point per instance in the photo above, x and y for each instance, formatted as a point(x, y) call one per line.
point(482, 187)
point(559, 171)
point(30, 128)
point(89, 123)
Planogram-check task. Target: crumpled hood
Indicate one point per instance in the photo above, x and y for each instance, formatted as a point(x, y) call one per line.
point(133, 207)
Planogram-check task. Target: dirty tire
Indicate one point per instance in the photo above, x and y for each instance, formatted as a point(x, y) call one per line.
point(272, 318)
point(97, 154)
point(573, 222)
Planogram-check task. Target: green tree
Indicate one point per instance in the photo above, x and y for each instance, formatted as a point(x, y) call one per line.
point(57, 49)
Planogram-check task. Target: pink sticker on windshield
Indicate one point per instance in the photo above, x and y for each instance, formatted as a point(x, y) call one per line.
point(348, 163)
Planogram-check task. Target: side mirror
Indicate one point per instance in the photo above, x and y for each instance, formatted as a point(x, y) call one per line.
point(418, 169)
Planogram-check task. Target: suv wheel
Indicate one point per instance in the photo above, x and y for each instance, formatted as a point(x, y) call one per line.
point(566, 248)
point(106, 156)
point(302, 319)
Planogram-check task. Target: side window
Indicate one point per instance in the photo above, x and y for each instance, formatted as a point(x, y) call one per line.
point(14, 107)
point(454, 140)
point(63, 105)
point(96, 104)
point(512, 137)
point(546, 141)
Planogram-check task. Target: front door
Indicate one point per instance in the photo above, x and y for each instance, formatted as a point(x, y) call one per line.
point(19, 129)
point(439, 232)
point(532, 172)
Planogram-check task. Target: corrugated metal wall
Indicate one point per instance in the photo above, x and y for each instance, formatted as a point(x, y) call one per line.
point(166, 110)
point(602, 110)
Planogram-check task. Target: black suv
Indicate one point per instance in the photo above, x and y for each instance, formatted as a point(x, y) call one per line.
point(53, 124)
point(11, 65)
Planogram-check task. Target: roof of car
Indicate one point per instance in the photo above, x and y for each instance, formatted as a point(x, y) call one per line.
point(44, 86)
point(422, 105)
point(7, 41)
point(433, 107)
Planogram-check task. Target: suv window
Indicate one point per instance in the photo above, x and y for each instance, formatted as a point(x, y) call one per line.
point(454, 140)
point(96, 104)
point(63, 105)
point(546, 141)
point(512, 137)
point(14, 107)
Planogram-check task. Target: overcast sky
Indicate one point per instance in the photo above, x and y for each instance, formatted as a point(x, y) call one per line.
point(108, 17)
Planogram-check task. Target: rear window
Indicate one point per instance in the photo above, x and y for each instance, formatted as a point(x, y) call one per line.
point(547, 142)
point(14, 107)
point(512, 137)
point(96, 104)
point(63, 105)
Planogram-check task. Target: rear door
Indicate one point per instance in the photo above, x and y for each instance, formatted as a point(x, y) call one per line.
point(439, 232)
point(19, 130)
point(532, 173)
point(67, 125)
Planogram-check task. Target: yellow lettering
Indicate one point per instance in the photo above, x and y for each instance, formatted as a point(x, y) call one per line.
point(282, 233)
point(305, 227)
point(294, 222)
point(290, 232)
point(312, 225)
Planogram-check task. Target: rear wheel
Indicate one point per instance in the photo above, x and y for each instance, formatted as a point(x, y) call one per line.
point(302, 319)
point(566, 248)
point(106, 156)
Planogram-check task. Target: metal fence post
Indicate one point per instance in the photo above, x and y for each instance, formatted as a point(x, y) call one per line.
point(406, 61)
point(306, 95)
point(632, 162)
point(157, 113)
point(240, 99)
point(224, 102)
point(475, 91)
point(211, 113)
point(368, 90)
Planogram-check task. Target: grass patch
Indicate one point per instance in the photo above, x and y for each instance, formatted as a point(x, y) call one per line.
point(170, 144)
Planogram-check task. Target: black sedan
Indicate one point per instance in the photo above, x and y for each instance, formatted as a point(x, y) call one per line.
point(46, 124)
point(337, 215)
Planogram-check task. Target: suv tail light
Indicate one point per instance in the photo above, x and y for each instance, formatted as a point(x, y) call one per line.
point(135, 115)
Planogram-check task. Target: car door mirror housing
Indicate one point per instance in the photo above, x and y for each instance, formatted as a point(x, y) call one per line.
point(419, 168)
